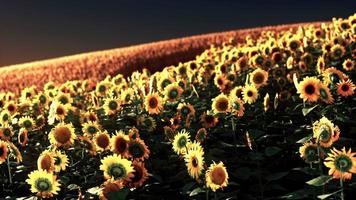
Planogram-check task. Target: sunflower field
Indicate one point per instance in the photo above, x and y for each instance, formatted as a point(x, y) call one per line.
point(269, 118)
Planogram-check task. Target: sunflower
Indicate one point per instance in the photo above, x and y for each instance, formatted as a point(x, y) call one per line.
point(332, 76)
point(320, 65)
point(23, 137)
point(88, 144)
point(27, 122)
point(102, 141)
point(109, 187)
point(345, 88)
point(119, 143)
point(238, 106)
point(309, 152)
point(216, 176)
point(43, 183)
point(15, 151)
point(180, 142)
point(153, 103)
point(62, 135)
point(309, 89)
point(116, 168)
point(208, 120)
point(194, 161)
point(64, 98)
point(294, 44)
point(169, 133)
point(43, 99)
point(6, 132)
point(60, 161)
point(5, 117)
point(90, 129)
point(250, 94)
point(127, 96)
point(11, 107)
point(46, 161)
point(3, 151)
point(61, 111)
point(221, 104)
point(111, 106)
point(164, 81)
point(172, 92)
point(220, 81)
point(342, 163)
point(259, 77)
point(139, 176)
point(337, 51)
point(325, 94)
point(201, 135)
point(348, 65)
point(186, 109)
point(134, 134)
point(138, 150)
point(102, 88)
point(89, 116)
point(325, 132)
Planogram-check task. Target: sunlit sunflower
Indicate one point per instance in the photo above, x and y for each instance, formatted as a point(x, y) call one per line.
point(186, 109)
point(309, 89)
point(309, 152)
point(325, 132)
point(111, 106)
point(259, 77)
point(138, 150)
point(325, 94)
point(140, 175)
point(89, 116)
point(102, 141)
point(102, 88)
point(60, 161)
point(27, 122)
point(3, 151)
point(180, 142)
point(64, 98)
point(348, 65)
point(127, 96)
point(62, 135)
point(216, 176)
point(5, 117)
point(172, 92)
point(90, 129)
point(332, 75)
point(11, 106)
point(43, 99)
point(194, 146)
point(220, 81)
point(221, 104)
point(342, 163)
point(201, 135)
point(194, 161)
point(164, 81)
point(153, 103)
point(134, 133)
point(346, 88)
point(120, 143)
point(294, 44)
point(61, 111)
point(110, 186)
point(208, 120)
point(88, 144)
point(46, 161)
point(43, 183)
point(266, 102)
point(23, 137)
point(6, 132)
point(116, 168)
point(337, 51)
point(237, 106)
point(250, 94)
point(320, 65)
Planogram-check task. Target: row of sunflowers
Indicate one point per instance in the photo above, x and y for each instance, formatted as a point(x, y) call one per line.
point(225, 125)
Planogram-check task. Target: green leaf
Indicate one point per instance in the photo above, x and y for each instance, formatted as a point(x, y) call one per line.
point(196, 191)
point(271, 151)
point(306, 111)
point(324, 196)
point(304, 139)
point(319, 181)
point(119, 195)
point(276, 176)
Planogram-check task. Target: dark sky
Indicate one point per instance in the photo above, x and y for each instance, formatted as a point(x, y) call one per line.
point(34, 30)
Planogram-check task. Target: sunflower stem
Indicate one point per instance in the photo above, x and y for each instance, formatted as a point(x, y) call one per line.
point(234, 132)
point(9, 170)
point(342, 188)
point(207, 193)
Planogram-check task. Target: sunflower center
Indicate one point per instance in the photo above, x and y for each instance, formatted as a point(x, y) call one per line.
point(113, 105)
point(293, 44)
point(182, 70)
point(249, 93)
point(173, 94)
point(102, 88)
point(218, 176)
point(102, 141)
point(153, 102)
point(182, 142)
point(343, 163)
point(5, 117)
point(117, 171)
point(195, 162)
point(136, 150)
point(6, 132)
point(11, 108)
point(63, 100)
point(62, 134)
point(311, 154)
point(92, 129)
point(185, 110)
point(46, 162)
point(310, 89)
point(345, 88)
point(60, 111)
point(325, 134)
point(337, 52)
point(121, 145)
point(237, 106)
point(57, 160)
point(43, 185)
point(27, 124)
point(42, 99)
point(220, 81)
point(258, 78)
point(222, 105)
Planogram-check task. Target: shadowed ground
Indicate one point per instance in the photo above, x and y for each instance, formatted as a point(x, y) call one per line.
point(97, 65)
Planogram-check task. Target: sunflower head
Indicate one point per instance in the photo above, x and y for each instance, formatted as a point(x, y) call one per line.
point(46, 161)
point(172, 92)
point(43, 183)
point(91, 128)
point(345, 88)
point(186, 109)
point(221, 104)
point(259, 77)
point(153, 103)
point(250, 94)
point(194, 161)
point(348, 65)
point(208, 120)
point(180, 142)
point(62, 135)
point(6, 132)
point(116, 168)
point(102, 141)
point(3, 151)
point(238, 106)
point(342, 163)
point(325, 94)
point(111, 106)
point(140, 175)
point(201, 135)
point(138, 150)
point(216, 176)
point(109, 187)
point(309, 152)
point(23, 136)
point(119, 143)
point(309, 89)
point(60, 161)
point(27, 122)
point(325, 132)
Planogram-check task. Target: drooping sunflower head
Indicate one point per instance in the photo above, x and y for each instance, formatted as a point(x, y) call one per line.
point(208, 120)
point(342, 163)
point(153, 103)
point(91, 128)
point(60, 161)
point(250, 94)
point(201, 135)
point(325, 132)
point(309, 152)
point(27, 123)
point(172, 92)
point(3, 151)
point(194, 161)
point(15, 151)
point(180, 142)
point(309, 89)
point(259, 77)
point(220, 80)
point(140, 175)
point(186, 109)
point(216, 176)
point(345, 88)
point(6, 132)
point(337, 51)
point(333, 76)
point(325, 94)
point(237, 106)
point(46, 161)
point(116, 168)
point(111, 106)
point(119, 143)
point(102, 141)
point(138, 150)
point(62, 135)
point(221, 104)
point(109, 187)
point(23, 137)
point(43, 183)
